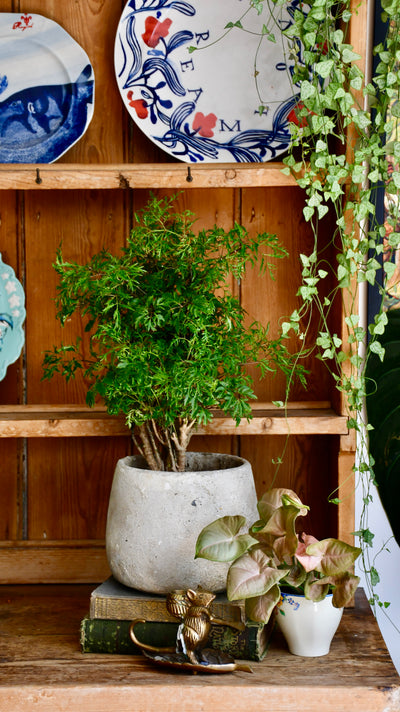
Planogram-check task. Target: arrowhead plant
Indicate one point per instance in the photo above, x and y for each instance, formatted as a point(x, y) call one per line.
point(272, 555)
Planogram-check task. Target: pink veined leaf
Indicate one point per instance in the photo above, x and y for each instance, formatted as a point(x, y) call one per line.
point(281, 524)
point(251, 575)
point(272, 500)
point(309, 562)
point(337, 557)
point(260, 608)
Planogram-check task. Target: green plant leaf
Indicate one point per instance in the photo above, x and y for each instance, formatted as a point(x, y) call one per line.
point(348, 54)
point(324, 68)
point(221, 540)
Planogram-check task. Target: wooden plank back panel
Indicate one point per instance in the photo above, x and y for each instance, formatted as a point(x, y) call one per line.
point(273, 300)
point(69, 485)
point(68, 482)
point(83, 222)
point(309, 467)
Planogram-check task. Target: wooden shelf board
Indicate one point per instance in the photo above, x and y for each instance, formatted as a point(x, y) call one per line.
point(48, 562)
point(36, 421)
point(150, 175)
point(42, 667)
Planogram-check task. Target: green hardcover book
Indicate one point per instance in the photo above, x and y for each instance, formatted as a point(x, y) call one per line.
point(112, 636)
point(114, 600)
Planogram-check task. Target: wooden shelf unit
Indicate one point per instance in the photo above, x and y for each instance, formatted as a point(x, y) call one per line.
point(61, 176)
point(58, 460)
point(36, 421)
point(42, 668)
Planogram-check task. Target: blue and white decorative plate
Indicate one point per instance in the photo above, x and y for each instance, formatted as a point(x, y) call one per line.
point(46, 89)
point(12, 315)
point(204, 105)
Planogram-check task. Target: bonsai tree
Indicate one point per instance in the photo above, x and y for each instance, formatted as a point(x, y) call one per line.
point(168, 340)
point(271, 555)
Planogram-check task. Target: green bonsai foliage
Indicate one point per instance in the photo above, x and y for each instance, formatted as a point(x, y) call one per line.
point(271, 555)
point(168, 340)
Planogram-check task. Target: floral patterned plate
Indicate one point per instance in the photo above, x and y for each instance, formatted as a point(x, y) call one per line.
point(46, 89)
point(203, 105)
point(12, 315)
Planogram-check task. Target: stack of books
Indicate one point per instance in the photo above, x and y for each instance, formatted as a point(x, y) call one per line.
point(113, 607)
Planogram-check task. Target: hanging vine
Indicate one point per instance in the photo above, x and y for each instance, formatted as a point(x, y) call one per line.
point(344, 127)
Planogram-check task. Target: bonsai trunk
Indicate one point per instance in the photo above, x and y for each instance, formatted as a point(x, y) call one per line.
point(164, 448)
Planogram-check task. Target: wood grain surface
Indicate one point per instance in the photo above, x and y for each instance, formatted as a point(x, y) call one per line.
point(42, 668)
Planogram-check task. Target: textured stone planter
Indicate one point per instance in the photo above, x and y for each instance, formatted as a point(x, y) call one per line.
point(154, 519)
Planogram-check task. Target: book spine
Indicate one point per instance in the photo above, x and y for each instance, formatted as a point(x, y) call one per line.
point(112, 636)
point(123, 609)
point(126, 609)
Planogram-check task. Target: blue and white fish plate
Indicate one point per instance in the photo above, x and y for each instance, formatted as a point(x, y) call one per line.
point(12, 315)
point(46, 89)
point(203, 105)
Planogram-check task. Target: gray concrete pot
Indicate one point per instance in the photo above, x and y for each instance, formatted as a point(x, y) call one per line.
point(154, 519)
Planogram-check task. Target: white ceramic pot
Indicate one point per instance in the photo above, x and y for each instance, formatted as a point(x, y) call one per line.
point(308, 626)
point(154, 519)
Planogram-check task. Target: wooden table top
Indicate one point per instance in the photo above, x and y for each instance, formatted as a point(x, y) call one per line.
point(42, 667)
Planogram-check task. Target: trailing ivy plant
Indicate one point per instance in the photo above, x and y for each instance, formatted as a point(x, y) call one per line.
point(344, 127)
point(168, 340)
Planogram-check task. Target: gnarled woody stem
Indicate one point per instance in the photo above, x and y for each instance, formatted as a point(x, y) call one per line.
point(153, 445)
point(181, 441)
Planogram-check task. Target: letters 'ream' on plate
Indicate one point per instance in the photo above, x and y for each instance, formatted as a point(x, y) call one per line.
point(194, 74)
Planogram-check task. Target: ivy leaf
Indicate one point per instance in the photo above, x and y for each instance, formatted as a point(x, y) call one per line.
point(395, 110)
point(375, 578)
point(389, 269)
point(356, 83)
point(229, 25)
point(324, 68)
point(267, 33)
point(370, 276)
point(322, 210)
point(348, 54)
point(366, 535)
point(307, 90)
point(377, 349)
